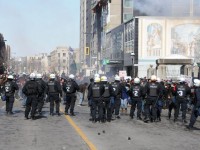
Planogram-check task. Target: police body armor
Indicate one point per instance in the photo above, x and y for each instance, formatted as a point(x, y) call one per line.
point(41, 85)
point(115, 86)
point(106, 93)
point(197, 95)
point(96, 91)
point(8, 88)
point(32, 88)
point(136, 91)
point(181, 91)
point(51, 85)
point(70, 87)
point(153, 89)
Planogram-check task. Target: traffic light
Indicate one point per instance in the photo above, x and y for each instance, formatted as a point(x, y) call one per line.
point(87, 51)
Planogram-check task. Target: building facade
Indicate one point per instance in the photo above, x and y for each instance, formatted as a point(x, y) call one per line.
point(59, 60)
point(85, 33)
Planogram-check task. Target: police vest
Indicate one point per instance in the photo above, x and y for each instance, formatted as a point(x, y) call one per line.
point(153, 89)
point(32, 88)
point(181, 91)
point(115, 88)
point(197, 94)
point(51, 86)
point(96, 91)
point(106, 93)
point(70, 87)
point(42, 86)
point(8, 87)
point(136, 91)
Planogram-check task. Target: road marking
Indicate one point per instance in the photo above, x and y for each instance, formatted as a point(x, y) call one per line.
point(80, 132)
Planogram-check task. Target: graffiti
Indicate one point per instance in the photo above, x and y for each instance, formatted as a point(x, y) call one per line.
point(154, 42)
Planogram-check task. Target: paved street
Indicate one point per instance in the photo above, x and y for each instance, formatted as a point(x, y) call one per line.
point(56, 133)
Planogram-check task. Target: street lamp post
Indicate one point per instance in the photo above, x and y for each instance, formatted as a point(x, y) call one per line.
point(133, 59)
point(198, 64)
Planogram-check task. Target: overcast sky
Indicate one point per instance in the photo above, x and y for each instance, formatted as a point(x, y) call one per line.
point(36, 26)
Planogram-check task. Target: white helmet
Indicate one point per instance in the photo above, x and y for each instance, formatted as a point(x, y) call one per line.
point(117, 78)
point(71, 76)
point(10, 77)
point(32, 75)
point(136, 80)
point(153, 78)
point(52, 76)
point(104, 78)
point(182, 79)
point(39, 76)
point(97, 75)
point(158, 80)
point(196, 82)
point(97, 80)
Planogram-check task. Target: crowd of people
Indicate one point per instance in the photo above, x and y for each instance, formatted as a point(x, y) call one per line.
point(149, 97)
point(146, 97)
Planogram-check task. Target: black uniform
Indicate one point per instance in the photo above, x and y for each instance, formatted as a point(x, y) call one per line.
point(136, 94)
point(181, 93)
point(43, 87)
point(95, 93)
point(54, 92)
point(31, 89)
point(70, 87)
point(106, 101)
point(196, 108)
point(10, 87)
point(89, 98)
point(117, 89)
point(154, 92)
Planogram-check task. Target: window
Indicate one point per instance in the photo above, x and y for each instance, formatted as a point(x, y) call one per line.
point(58, 54)
point(64, 61)
point(64, 54)
point(128, 17)
point(128, 3)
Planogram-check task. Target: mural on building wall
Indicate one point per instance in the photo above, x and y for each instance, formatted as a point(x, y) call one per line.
point(154, 42)
point(186, 40)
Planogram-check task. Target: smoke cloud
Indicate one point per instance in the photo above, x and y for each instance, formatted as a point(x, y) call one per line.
point(164, 7)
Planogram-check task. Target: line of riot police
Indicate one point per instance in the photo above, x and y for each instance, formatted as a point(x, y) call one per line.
point(37, 91)
point(149, 97)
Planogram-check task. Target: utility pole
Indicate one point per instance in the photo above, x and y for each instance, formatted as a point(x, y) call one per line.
point(191, 8)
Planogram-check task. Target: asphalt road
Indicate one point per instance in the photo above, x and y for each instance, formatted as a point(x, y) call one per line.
point(58, 133)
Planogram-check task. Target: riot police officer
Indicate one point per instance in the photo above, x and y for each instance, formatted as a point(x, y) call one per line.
point(70, 87)
point(89, 99)
point(31, 89)
point(196, 108)
point(41, 97)
point(54, 92)
point(105, 102)
point(154, 92)
point(95, 93)
point(117, 90)
point(10, 87)
point(181, 92)
point(136, 93)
